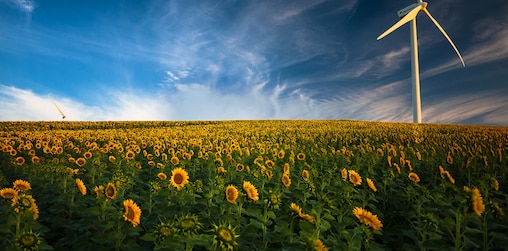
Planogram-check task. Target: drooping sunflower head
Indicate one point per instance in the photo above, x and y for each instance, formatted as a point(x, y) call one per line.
point(414, 177)
point(8, 193)
point(367, 218)
point(371, 185)
point(27, 241)
point(355, 178)
point(305, 175)
point(231, 194)
point(110, 191)
point(132, 213)
point(188, 224)
point(21, 185)
point(225, 237)
point(81, 186)
point(179, 178)
point(251, 191)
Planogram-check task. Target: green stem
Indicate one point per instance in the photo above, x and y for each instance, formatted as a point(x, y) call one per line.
point(457, 230)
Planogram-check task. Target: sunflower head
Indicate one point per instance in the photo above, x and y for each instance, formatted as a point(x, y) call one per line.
point(367, 218)
point(225, 237)
point(286, 181)
point(132, 213)
point(162, 176)
point(8, 193)
point(231, 194)
point(188, 224)
point(414, 177)
point(110, 191)
point(163, 231)
point(79, 161)
point(27, 241)
point(21, 185)
point(355, 178)
point(371, 185)
point(81, 186)
point(251, 191)
point(179, 178)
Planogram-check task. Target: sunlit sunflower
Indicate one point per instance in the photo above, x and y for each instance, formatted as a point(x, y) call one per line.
point(175, 160)
point(305, 175)
point(110, 191)
point(495, 184)
point(297, 209)
point(286, 168)
point(319, 245)
point(414, 177)
point(20, 160)
point(281, 154)
point(449, 159)
point(251, 190)
point(8, 193)
point(221, 170)
point(80, 161)
point(231, 194)
point(269, 163)
point(35, 159)
point(389, 159)
point(343, 173)
point(179, 178)
point(21, 185)
point(112, 159)
point(132, 212)
point(162, 176)
point(354, 178)
point(371, 185)
point(239, 167)
point(286, 181)
point(476, 198)
point(367, 218)
point(129, 155)
point(87, 155)
point(441, 172)
point(81, 186)
point(225, 237)
point(300, 156)
point(307, 217)
point(99, 190)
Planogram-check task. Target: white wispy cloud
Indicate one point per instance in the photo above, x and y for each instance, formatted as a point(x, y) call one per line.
point(27, 6)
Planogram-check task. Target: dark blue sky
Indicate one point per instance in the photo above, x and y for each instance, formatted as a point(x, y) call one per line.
point(181, 60)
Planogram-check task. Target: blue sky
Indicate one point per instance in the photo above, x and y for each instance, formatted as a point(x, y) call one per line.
point(214, 60)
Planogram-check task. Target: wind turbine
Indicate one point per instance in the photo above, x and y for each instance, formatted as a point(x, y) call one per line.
point(409, 14)
point(58, 108)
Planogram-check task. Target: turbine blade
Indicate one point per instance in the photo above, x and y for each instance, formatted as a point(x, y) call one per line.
point(444, 33)
point(410, 16)
point(58, 108)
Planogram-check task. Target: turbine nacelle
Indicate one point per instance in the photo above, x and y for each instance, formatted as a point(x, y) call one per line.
point(409, 8)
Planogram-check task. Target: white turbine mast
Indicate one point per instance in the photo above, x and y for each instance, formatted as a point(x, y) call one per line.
point(409, 14)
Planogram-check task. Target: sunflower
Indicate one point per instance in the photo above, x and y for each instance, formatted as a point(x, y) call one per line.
point(132, 212)
point(414, 177)
point(367, 218)
point(449, 159)
point(129, 155)
point(21, 185)
point(35, 159)
point(371, 185)
point(495, 184)
point(286, 168)
point(112, 159)
point(27, 241)
point(297, 209)
point(269, 163)
point(449, 176)
point(110, 191)
point(305, 175)
point(188, 224)
point(319, 245)
point(8, 193)
point(343, 173)
point(87, 155)
point(389, 159)
point(231, 194)
point(79, 161)
point(281, 154)
point(476, 198)
point(224, 237)
point(98, 190)
point(162, 176)
point(221, 169)
point(251, 191)
point(164, 230)
point(307, 217)
point(354, 178)
point(286, 181)
point(20, 160)
point(300, 156)
point(239, 167)
point(179, 178)
point(81, 186)
point(175, 160)
point(441, 172)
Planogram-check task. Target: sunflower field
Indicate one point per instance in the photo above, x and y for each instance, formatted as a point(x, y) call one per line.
point(252, 185)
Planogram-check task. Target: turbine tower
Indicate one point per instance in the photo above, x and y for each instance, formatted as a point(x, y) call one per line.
point(409, 14)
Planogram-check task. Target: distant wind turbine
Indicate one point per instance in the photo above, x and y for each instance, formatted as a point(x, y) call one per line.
point(409, 14)
point(58, 108)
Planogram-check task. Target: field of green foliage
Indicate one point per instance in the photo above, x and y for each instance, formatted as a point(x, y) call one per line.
point(252, 185)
